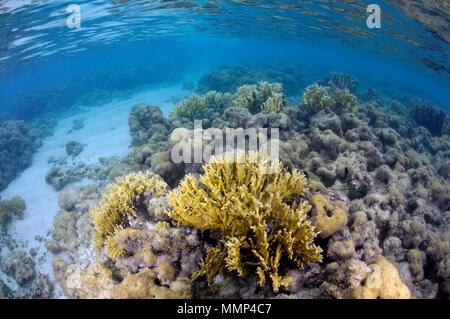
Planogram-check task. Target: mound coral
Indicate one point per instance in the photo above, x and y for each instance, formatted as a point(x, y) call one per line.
point(16, 148)
point(424, 113)
point(147, 123)
point(384, 282)
point(328, 225)
point(98, 282)
point(115, 210)
point(258, 209)
point(262, 97)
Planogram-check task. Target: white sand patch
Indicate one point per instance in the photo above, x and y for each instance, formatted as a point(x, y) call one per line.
point(105, 133)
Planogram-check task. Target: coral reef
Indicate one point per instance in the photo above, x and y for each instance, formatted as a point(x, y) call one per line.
point(72, 232)
point(317, 97)
point(248, 202)
point(150, 266)
point(115, 210)
point(59, 177)
point(378, 186)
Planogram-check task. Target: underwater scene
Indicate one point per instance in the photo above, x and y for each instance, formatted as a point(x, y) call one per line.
point(229, 149)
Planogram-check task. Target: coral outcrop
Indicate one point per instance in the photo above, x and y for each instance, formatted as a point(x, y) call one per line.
point(73, 148)
point(328, 219)
point(115, 211)
point(383, 282)
point(146, 123)
point(158, 258)
point(425, 113)
point(258, 210)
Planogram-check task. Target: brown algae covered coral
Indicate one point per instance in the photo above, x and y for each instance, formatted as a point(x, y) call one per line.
point(258, 209)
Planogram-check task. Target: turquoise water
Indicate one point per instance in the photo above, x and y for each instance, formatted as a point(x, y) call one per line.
point(40, 54)
point(70, 84)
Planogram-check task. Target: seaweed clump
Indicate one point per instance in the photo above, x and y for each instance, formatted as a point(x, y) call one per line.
point(116, 208)
point(259, 210)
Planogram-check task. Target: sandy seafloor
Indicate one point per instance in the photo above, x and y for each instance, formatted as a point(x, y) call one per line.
point(105, 133)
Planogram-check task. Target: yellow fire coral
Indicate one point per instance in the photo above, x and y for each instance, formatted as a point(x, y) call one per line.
point(116, 208)
point(258, 208)
point(328, 225)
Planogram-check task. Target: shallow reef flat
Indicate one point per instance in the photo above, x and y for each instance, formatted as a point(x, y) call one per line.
point(104, 135)
point(357, 206)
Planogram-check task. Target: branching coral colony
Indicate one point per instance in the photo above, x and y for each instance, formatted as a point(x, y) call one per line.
point(259, 209)
point(116, 208)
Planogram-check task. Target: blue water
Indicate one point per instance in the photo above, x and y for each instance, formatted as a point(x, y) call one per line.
point(40, 55)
